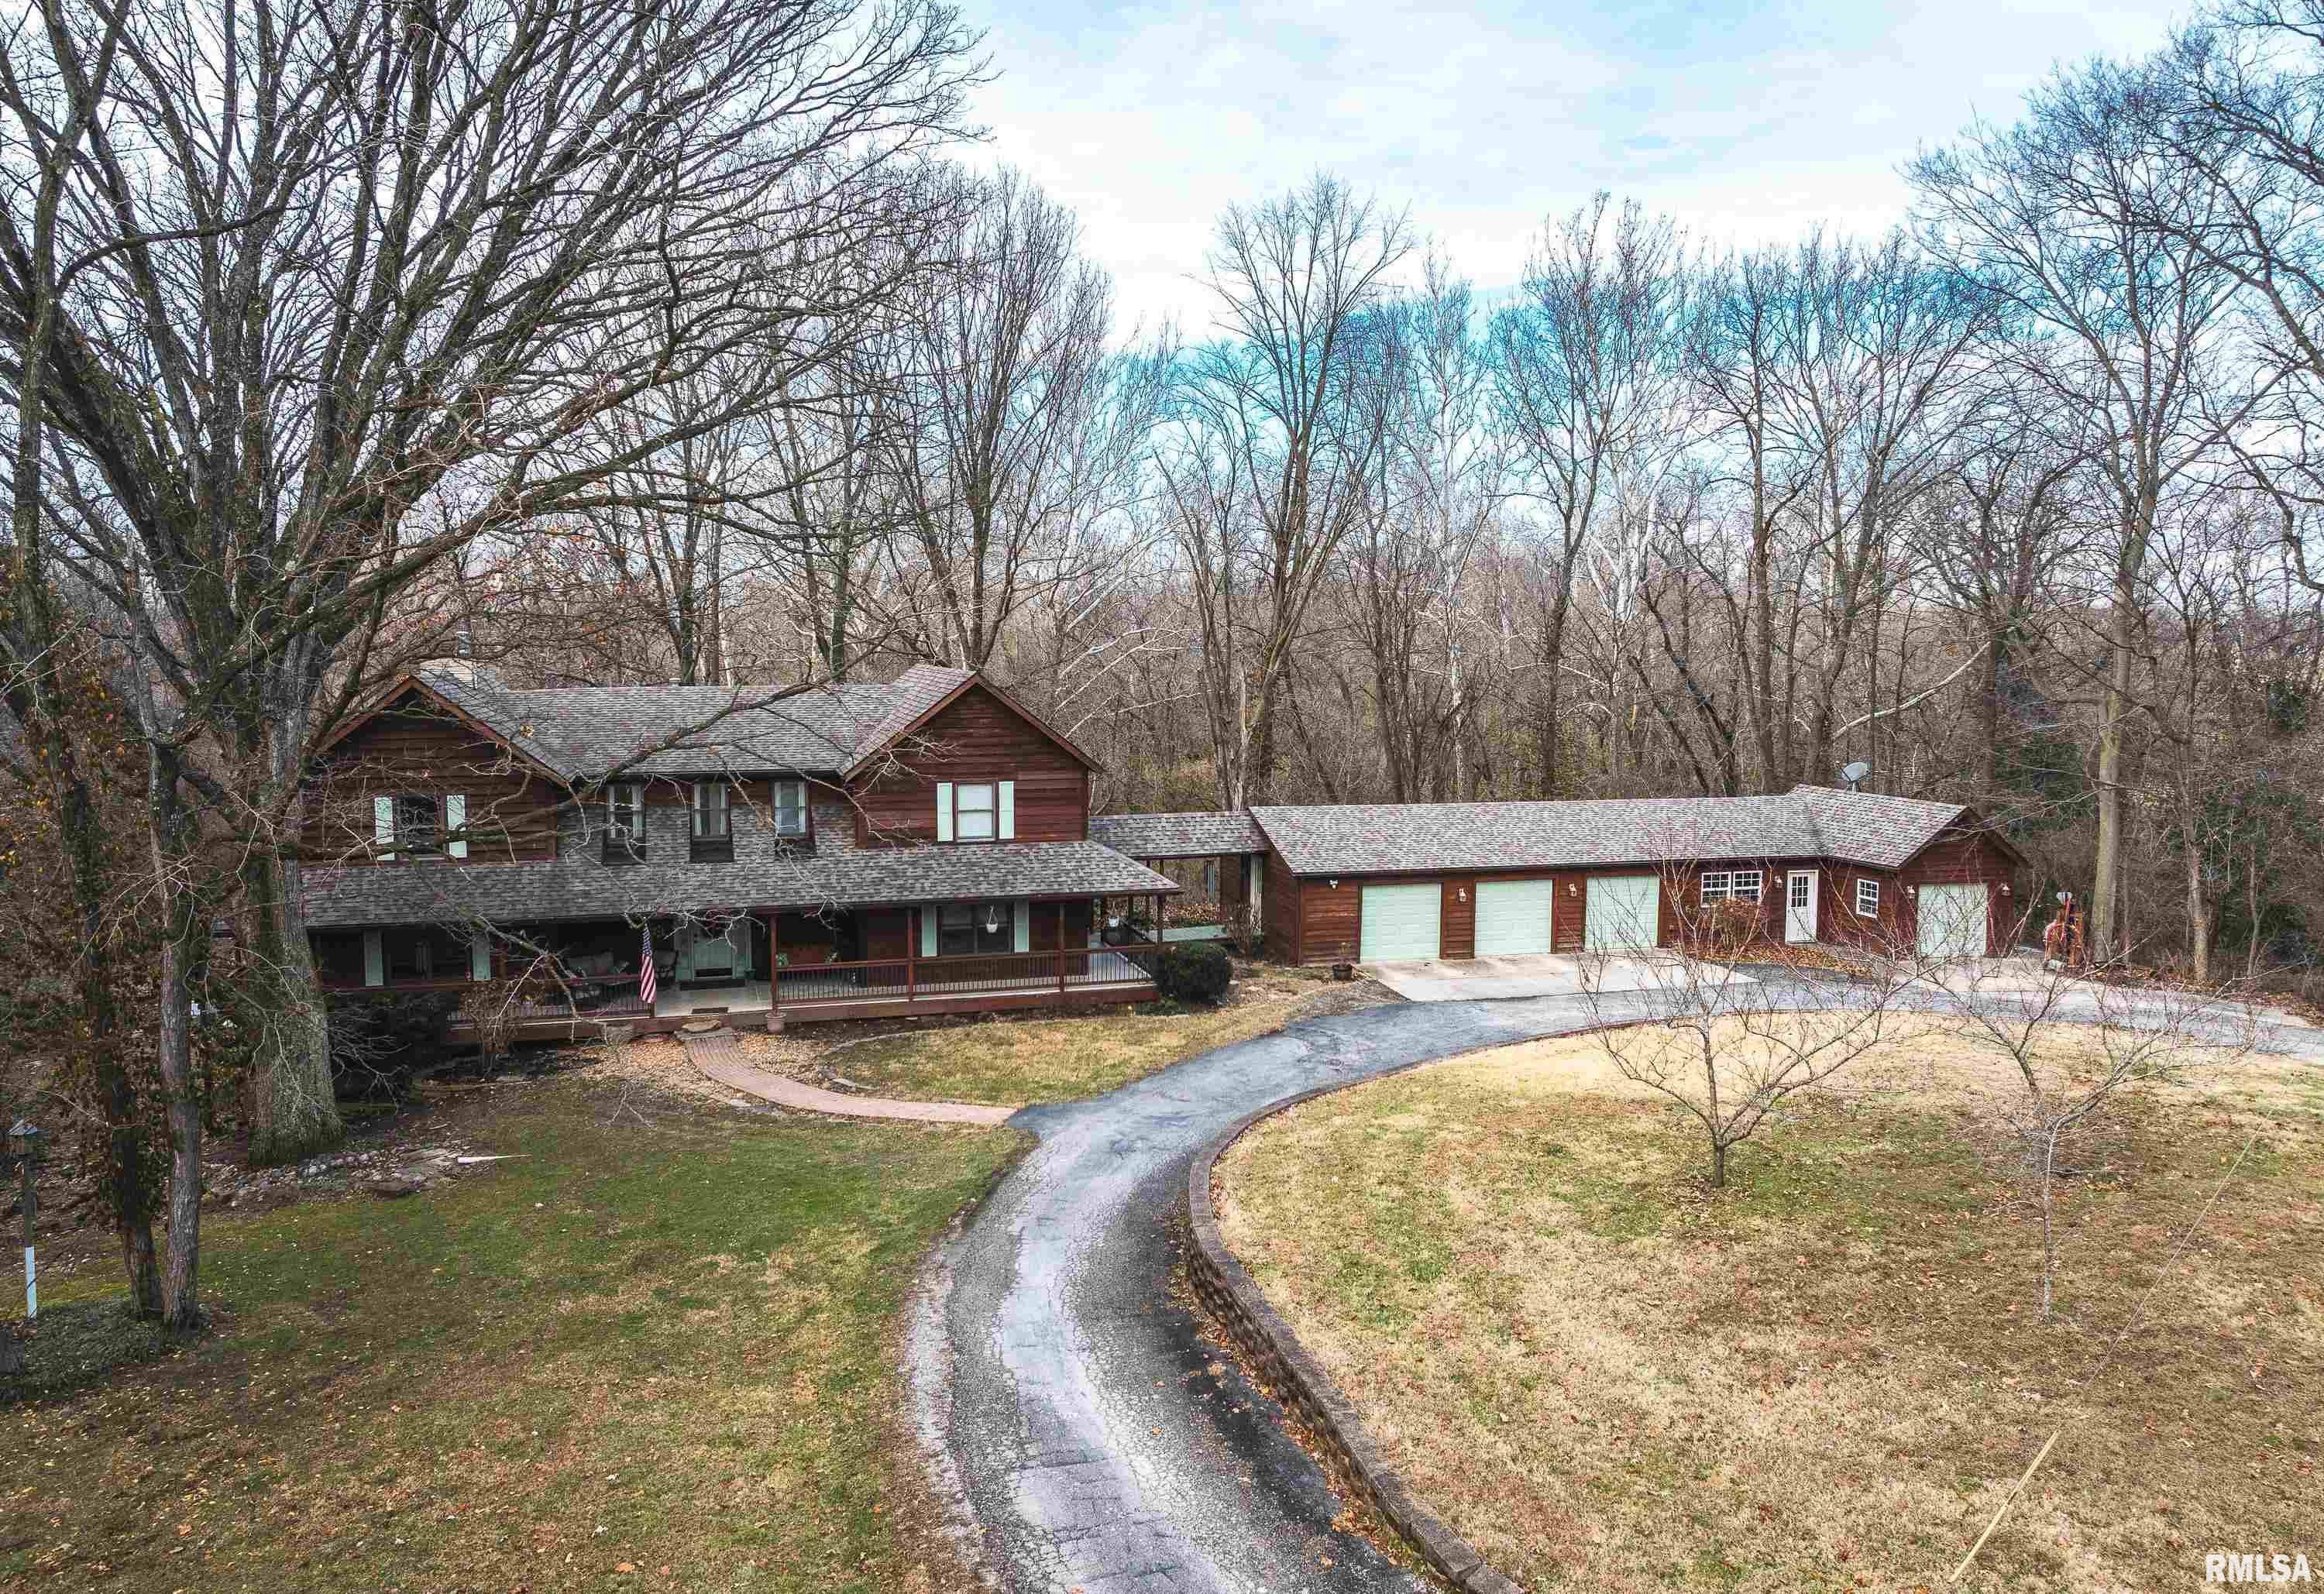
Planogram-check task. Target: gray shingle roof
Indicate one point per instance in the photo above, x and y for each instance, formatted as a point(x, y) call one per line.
point(579, 887)
point(1387, 837)
point(578, 732)
point(1866, 827)
point(1808, 822)
point(1178, 836)
point(917, 690)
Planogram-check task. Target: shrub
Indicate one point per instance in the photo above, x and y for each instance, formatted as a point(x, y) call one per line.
point(1192, 971)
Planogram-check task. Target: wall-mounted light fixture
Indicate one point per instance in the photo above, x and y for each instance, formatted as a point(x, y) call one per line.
point(1335, 883)
point(2005, 887)
point(1572, 889)
point(1462, 895)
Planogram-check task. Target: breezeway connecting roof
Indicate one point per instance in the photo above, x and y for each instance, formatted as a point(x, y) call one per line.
point(1178, 836)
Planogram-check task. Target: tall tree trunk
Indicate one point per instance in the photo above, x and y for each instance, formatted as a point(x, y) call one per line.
point(2106, 895)
point(296, 1112)
point(180, 1298)
point(2199, 915)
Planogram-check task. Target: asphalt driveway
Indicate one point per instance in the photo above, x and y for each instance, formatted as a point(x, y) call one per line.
point(1096, 1443)
point(1100, 1444)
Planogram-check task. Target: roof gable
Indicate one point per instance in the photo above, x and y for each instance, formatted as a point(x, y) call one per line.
point(926, 691)
point(444, 694)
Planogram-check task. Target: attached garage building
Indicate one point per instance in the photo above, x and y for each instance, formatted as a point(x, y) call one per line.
point(1394, 882)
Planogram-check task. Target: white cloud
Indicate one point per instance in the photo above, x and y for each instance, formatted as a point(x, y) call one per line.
point(1748, 123)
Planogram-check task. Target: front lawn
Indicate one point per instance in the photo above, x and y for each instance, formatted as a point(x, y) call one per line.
point(655, 1349)
point(1013, 1061)
point(1609, 1378)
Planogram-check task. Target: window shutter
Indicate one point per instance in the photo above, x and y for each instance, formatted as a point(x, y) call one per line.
point(480, 958)
point(944, 810)
point(929, 928)
point(374, 959)
point(455, 818)
point(1022, 911)
point(1007, 826)
point(382, 827)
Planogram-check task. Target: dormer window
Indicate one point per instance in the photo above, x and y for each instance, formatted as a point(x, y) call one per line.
point(975, 812)
point(625, 822)
point(791, 808)
point(713, 832)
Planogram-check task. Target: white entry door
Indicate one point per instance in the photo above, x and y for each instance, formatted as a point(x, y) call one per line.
point(1513, 917)
point(1800, 906)
point(1624, 911)
point(1952, 921)
point(1400, 922)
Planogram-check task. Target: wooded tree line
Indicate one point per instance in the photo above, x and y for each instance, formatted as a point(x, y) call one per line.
point(680, 342)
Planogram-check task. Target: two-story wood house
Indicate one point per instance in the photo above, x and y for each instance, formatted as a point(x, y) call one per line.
point(927, 845)
point(853, 851)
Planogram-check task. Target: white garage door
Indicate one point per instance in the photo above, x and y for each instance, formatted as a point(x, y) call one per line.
point(1952, 921)
point(1513, 917)
point(1624, 910)
point(1400, 921)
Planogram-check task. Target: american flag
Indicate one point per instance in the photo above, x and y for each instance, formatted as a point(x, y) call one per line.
point(645, 965)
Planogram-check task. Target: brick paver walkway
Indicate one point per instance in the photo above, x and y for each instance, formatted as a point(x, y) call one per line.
point(719, 1056)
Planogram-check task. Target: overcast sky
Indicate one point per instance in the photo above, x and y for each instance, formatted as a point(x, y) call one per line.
point(1747, 123)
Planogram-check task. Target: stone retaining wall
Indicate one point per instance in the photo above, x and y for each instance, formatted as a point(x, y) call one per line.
point(1226, 1288)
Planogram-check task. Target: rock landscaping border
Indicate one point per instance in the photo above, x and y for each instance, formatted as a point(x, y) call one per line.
point(1225, 1286)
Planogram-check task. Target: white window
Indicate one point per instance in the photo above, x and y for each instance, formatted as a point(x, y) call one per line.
point(790, 807)
point(1868, 897)
point(625, 811)
point(974, 812)
point(1732, 885)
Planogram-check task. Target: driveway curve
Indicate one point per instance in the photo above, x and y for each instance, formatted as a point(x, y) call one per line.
point(1096, 1441)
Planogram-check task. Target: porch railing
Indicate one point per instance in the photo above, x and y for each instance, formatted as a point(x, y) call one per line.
point(586, 996)
point(977, 974)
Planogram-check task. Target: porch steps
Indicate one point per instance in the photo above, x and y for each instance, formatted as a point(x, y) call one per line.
point(718, 1056)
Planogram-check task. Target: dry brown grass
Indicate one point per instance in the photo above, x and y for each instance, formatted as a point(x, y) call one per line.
point(1827, 1378)
point(1013, 1061)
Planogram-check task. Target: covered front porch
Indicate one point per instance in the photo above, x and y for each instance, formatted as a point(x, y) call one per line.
point(828, 965)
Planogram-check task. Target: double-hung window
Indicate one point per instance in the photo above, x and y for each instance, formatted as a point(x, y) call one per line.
point(418, 825)
point(962, 930)
point(1868, 897)
point(1733, 885)
point(713, 822)
point(791, 808)
point(975, 811)
point(625, 821)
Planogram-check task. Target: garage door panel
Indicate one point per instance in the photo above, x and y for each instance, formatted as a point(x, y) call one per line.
point(1402, 922)
point(1622, 911)
point(1951, 921)
point(1513, 918)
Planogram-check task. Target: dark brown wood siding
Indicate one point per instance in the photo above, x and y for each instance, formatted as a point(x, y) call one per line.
point(1330, 920)
point(1456, 920)
point(1279, 912)
point(412, 746)
point(978, 737)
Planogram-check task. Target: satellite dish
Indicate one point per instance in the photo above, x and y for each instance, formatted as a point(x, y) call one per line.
point(1855, 772)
